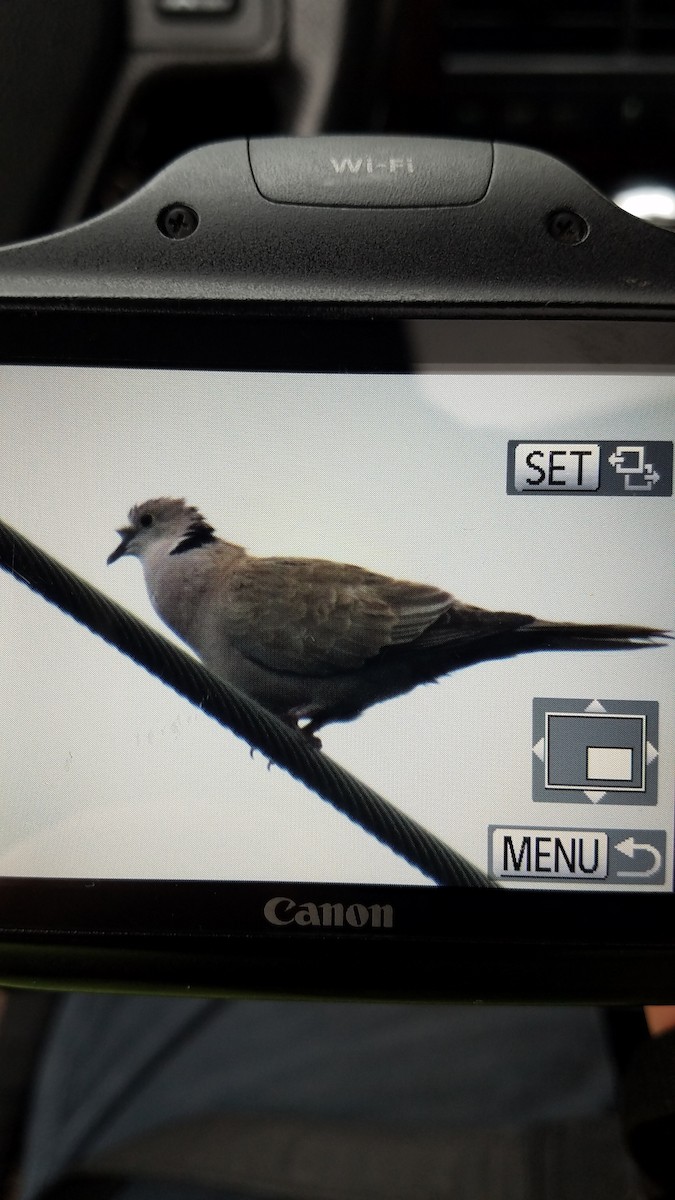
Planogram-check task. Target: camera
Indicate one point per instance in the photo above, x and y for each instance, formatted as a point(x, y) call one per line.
point(384, 707)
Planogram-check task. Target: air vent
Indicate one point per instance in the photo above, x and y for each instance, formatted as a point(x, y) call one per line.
point(570, 27)
point(566, 27)
point(655, 26)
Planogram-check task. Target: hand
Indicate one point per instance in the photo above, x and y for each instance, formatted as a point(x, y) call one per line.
point(660, 1018)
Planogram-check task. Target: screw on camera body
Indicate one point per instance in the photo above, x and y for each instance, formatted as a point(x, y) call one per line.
point(567, 226)
point(177, 221)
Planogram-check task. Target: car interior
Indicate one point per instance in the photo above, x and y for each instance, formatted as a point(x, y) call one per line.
point(98, 95)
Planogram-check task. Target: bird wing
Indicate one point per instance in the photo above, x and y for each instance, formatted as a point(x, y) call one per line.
point(313, 617)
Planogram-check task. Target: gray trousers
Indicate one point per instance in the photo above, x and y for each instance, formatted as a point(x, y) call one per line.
point(196, 1098)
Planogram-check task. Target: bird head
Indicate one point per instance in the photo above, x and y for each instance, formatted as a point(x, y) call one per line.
point(178, 525)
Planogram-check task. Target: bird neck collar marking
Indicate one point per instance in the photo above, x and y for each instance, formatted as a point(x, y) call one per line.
point(200, 533)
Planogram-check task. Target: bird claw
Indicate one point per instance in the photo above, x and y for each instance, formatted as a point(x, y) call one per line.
point(293, 718)
point(252, 750)
point(311, 738)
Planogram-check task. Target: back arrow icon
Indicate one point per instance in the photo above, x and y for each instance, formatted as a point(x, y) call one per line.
point(628, 847)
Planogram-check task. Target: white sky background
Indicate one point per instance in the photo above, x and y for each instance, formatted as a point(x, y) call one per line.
point(106, 772)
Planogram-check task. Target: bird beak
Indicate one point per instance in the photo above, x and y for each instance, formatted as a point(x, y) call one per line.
point(126, 535)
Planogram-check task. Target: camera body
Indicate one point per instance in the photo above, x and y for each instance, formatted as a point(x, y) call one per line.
point(449, 363)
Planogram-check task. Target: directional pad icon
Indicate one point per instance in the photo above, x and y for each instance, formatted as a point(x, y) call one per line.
point(589, 751)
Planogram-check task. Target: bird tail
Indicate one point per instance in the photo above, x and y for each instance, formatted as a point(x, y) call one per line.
point(572, 636)
point(504, 635)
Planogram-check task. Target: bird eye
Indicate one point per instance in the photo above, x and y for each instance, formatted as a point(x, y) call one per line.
point(146, 519)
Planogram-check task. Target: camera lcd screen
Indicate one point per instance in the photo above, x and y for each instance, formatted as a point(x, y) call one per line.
point(531, 491)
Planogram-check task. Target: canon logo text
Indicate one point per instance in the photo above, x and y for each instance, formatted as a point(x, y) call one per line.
point(282, 911)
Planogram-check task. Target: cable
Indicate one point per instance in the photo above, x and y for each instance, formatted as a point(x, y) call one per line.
point(233, 709)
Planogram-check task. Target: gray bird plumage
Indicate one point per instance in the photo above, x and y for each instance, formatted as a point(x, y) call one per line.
point(316, 641)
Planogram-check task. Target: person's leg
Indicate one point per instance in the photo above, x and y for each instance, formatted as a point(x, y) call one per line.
point(116, 1067)
point(24, 1018)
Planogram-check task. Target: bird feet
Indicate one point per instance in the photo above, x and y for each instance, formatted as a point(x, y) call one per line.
point(295, 715)
point(314, 741)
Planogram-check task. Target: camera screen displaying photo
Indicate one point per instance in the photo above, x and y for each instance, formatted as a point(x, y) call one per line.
point(456, 584)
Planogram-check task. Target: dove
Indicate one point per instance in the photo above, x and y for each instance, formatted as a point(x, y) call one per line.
point(316, 641)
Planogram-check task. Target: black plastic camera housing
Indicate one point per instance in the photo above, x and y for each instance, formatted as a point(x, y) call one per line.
point(344, 258)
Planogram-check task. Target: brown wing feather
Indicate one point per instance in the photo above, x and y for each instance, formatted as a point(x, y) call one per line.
point(315, 617)
point(468, 623)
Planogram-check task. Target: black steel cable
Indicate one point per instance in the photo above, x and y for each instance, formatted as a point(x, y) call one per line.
point(234, 710)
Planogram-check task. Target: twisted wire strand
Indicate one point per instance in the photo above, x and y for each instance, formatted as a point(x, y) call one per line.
point(261, 729)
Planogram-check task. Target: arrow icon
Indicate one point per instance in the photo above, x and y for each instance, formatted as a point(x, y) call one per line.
point(617, 459)
point(649, 475)
point(629, 847)
point(539, 749)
